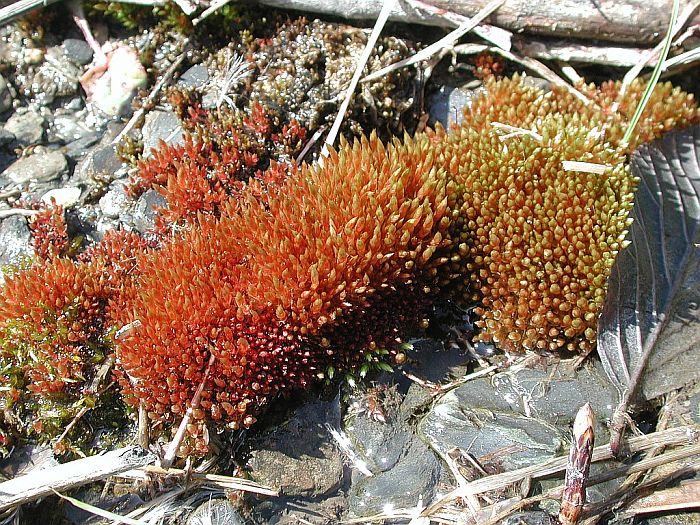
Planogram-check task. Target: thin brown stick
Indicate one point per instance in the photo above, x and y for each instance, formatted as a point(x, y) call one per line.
point(574, 495)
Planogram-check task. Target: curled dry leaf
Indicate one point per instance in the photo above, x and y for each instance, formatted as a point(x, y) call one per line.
point(648, 331)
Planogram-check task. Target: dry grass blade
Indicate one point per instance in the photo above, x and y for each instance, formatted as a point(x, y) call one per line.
point(498, 36)
point(171, 452)
point(585, 167)
point(157, 502)
point(543, 71)
point(684, 497)
point(17, 211)
point(371, 41)
point(666, 46)
point(215, 6)
point(674, 436)
point(652, 53)
point(446, 41)
point(17, 9)
point(683, 59)
point(116, 518)
point(220, 481)
point(77, 473)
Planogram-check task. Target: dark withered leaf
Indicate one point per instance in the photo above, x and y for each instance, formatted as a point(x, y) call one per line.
point(651, 311)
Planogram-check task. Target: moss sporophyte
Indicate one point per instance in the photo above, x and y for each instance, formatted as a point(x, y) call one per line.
point(288, 274)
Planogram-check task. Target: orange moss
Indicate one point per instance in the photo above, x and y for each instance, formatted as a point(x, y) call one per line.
point(49, 232)
point(537, 241)
point(323, 274)
point(221, 152)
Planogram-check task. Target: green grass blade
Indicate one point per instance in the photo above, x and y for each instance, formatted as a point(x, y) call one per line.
point(654, 76)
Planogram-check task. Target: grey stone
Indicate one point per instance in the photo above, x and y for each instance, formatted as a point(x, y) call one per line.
point(6, 137)
point(41, 166)
point(74, 104)
point(113, 203)
point(15, 241)
point(27, 127)
point(414, 476)
point(527, 440)
point(5, 96)
point(161, 125)
point(66, 128)
point(145, 211)
point(381, 444)
point(447, 105)
point(80, 147)
point(78, 51)
point(100, 163)
point(57, 76)
point(65, 197)
point(300, 456)
point(195, 77)
point(554, 396)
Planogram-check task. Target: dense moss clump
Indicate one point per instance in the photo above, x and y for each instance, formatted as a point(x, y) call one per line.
point(535, 240)
point(56, 344)
point(269, 276)
point(325, 274)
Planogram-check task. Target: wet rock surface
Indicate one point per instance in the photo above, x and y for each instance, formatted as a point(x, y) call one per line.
point(299, 457)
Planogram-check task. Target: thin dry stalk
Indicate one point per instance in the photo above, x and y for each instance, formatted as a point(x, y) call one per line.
point(14, 192)
point(543, 71)
point(213, 8)
point(156, 502)
point(223, 482)
point(446, 41)
point(151, 98)
point(498, 36)
point(371, 41)
point(39, 483)
point(439, 388)
point(144, 438)
point(684, 497)
point(622, 498)
point(17, 211)
point(22, 7)
point(566, 51)
point(653, 53)
point(674, 436)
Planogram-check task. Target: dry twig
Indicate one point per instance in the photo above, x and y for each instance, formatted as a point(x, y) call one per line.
point(38, 483)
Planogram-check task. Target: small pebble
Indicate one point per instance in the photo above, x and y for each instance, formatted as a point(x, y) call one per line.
point(65, 197)
point(27, 127)
point(161, 125)
point(78, 51)
point(5, 96)
point(42, 166)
